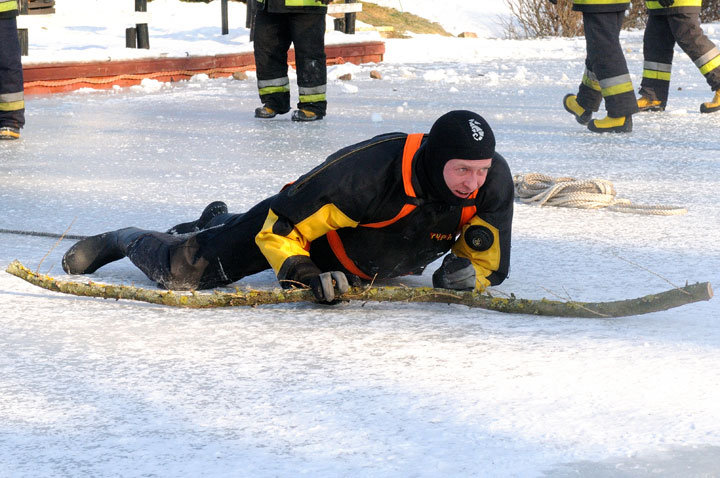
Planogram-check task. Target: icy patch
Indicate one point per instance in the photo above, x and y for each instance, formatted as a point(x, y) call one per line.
point(492, 79)
point(336, 71)
point(199, 78)
point(148, 85)
point(348, 87)
point(520, 74)
point(446, 75)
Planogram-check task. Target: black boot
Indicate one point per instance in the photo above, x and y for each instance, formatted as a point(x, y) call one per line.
point(211, 210)
point(90, 254)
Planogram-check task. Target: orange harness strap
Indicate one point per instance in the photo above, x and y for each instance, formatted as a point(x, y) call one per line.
point(339, 250)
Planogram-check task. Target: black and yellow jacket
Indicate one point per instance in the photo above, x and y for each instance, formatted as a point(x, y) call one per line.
point(292, 6)
point(678, 6)
point(600, 6)
point(363, 212)
point(8, 8)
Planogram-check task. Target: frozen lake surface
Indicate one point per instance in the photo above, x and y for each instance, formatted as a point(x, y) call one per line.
point(90, 387)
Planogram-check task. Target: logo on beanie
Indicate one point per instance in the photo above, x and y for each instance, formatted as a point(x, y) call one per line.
point(477, 131)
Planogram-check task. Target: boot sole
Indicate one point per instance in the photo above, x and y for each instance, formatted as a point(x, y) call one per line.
point(88, 255)
point(306, 119)
point(298, 120)
point(626, 128)
point(651, 108)
point(266, 116)
point(705, 109)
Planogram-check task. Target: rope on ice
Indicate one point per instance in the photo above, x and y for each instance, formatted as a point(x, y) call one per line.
point(544, 190)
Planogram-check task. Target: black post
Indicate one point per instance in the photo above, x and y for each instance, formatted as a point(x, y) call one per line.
point(23, 38)
point(143, 36)
point(350, 20)
point(131, 37)
point(224, 15)
point(22, 33)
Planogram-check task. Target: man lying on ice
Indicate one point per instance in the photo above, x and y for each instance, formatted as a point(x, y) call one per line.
point(382, 208)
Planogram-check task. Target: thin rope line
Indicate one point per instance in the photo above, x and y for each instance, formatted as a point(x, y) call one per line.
point(52, 235)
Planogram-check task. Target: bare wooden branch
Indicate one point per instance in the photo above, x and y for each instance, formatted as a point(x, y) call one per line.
point(643, 305)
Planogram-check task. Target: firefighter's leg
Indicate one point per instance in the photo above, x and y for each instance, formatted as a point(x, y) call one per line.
point(213, 257)
point(703, 52)
point(587, 100)
point(12, 101)
point(271, 44)
point(602, 32)
point(658, 44)
point(308, 34)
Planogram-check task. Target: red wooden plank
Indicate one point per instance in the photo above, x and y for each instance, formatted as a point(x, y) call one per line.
point(39, 77)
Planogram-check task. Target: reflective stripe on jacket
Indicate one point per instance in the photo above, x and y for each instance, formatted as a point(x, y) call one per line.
point(290, 6)
point(8, 8)
point(600, 6)
point(678, 6)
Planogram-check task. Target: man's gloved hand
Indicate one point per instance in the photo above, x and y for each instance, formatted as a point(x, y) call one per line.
point(666, 3)
point(455, 273)
point(325, 284)
point(298, 271)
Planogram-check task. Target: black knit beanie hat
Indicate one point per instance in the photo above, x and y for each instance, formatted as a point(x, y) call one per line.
point(459, 134)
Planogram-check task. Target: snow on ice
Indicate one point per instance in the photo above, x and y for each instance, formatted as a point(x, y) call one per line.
point(103, 388)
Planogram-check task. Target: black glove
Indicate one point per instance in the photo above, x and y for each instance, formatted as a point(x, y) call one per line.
point(298, 271)
point(324, 285)
point(554, 2)
point(666, 3)
point(455, 273)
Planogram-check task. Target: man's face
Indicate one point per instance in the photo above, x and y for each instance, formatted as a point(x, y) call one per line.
point(463, 176)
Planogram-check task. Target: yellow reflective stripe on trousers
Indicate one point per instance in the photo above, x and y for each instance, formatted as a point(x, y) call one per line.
point(616, 85)
point(655, 5)
point(590, 80)
point(312, 98)
point(311, 94)
point(656, 75)
point(12, 101)
point(274, 89)
point(709, 61)
point(275, 85)
point(656, 71)
point(12, 106)
point(8, 6)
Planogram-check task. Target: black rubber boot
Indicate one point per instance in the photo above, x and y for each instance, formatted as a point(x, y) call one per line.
point(211, 210)
point(306, 115)
point(90, 254)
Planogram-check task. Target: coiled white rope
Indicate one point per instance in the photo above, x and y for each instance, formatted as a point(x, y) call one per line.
point(543, 190)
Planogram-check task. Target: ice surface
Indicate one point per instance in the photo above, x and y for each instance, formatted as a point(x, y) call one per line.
point(102, 388)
